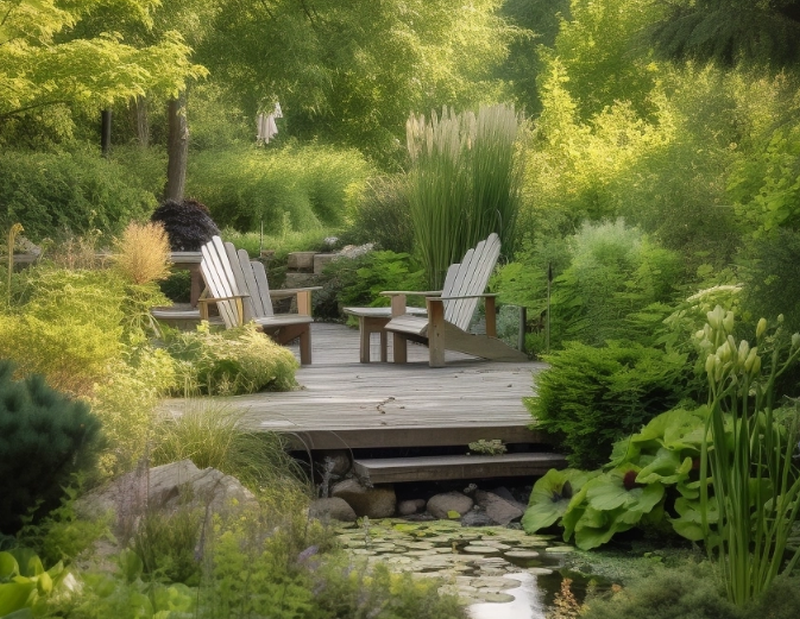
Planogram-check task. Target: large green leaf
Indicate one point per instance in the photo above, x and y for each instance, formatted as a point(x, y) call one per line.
point(8, 566)
point(15, 595)
point(667, 467)
point(551, 496)
point(608, 492)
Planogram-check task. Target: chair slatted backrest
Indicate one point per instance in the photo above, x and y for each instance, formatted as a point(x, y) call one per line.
point(469, 278)
point(219, 277)
point(256, 284)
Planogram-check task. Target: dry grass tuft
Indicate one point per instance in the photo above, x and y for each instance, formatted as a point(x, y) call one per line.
point(143, 253)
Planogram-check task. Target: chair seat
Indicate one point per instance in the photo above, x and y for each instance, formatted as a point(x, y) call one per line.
point(283, 320)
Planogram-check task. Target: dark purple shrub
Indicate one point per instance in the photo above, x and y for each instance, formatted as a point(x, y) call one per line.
point(188, 224)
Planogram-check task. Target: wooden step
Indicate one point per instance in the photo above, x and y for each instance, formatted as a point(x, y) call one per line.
point(440, 468)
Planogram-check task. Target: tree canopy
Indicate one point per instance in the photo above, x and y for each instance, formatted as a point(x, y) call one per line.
point(42, 64)
point(353, 71)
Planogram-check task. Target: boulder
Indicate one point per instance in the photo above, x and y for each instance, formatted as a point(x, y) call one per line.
point(167, 488)
point(500, 510)
point(441, 505)
point(333, 508)
point(411, 506)
point(376, 502)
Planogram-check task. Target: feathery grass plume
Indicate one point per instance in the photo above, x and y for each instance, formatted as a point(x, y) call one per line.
point(143, 253)
point(464, 183)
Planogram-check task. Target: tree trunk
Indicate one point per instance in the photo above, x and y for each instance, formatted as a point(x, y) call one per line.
point(142, 120)
point(177, 149)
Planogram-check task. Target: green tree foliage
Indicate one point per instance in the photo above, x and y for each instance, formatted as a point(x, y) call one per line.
point(352, 72)
point(539, 24)
point(45, 65)
point(730, 31)
point(44, 439)
point(605, 61)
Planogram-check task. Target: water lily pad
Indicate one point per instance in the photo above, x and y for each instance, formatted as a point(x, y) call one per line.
point(521, 554)
point(475, 549)
point(497, 597)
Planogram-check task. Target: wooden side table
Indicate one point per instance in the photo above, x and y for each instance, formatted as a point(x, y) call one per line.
point(373, 320)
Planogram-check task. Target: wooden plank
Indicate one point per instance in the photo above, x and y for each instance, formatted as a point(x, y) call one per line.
point(436, 468)
point(344, 404)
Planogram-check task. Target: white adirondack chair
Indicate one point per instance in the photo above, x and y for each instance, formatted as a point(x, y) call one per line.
point(450, 312)
point(240, 290)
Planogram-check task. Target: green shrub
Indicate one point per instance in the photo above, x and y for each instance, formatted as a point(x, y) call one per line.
point(590, 397)
point(71, 326)
point(79, 191)
point(229, 362)
point(44, 439)
point(687, 592)
point(313, 186)
point(382, 216)
point(359, 281)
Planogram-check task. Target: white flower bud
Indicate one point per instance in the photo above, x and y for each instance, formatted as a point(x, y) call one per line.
point(727, 322)
point(761, 327)
point(744, 350)
point(751, 357)
point(711, 362)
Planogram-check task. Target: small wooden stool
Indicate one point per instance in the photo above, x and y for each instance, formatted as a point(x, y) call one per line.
point(371, 320)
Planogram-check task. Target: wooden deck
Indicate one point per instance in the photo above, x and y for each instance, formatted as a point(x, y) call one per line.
point(346, 405)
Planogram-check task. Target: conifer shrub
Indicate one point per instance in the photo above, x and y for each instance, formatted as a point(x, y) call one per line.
point(590, 397)
point(45, 437)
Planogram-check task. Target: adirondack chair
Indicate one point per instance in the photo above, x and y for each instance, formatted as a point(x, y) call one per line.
point(240, 290)
point(450, 312)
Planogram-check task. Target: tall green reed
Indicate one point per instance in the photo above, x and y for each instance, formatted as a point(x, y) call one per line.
point(464, 183)
point(754, 487)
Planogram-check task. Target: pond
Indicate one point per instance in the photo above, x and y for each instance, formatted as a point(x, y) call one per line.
point(498, 572)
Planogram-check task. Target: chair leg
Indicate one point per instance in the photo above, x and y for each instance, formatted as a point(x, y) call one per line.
point(305, 347)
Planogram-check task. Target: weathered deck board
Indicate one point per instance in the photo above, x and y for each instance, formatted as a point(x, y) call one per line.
point(437, 468)
point(346, 404)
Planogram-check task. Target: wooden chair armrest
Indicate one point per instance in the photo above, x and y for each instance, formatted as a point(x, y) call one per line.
point(303, 296)
point(282, 293)
point(411, 293)
point(484, 295)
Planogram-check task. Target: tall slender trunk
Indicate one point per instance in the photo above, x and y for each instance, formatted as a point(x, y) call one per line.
point(142, 120)
point(177, 148)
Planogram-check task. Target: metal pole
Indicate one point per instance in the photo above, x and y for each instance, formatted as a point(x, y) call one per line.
point(547, 322)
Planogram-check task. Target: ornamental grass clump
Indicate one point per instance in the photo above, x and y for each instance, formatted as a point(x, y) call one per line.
point(464, 183)
point(747, 471)
point(142, 253)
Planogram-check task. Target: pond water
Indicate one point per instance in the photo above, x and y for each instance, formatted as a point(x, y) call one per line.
point(498, 572)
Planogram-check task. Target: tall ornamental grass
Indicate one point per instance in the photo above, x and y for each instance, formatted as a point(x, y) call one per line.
point(464, 183)
point(752, 495)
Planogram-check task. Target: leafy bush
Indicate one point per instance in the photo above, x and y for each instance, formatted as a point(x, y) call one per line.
point(314, 186)
point(590, 397)
point(359, 281)
point(44, 439)
point(602, 277)
point(687, 592)
point(382, 216)
point(770, 270)
point(229, 362)
point(651, 481)
point(53, 193)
